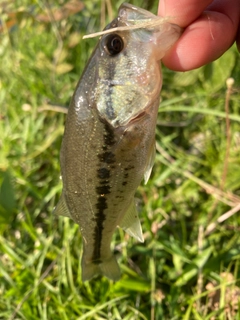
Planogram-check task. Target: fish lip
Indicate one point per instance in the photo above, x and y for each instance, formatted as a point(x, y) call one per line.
point(127, 9)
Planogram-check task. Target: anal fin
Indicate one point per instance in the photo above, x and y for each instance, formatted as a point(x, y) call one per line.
point(131, 223)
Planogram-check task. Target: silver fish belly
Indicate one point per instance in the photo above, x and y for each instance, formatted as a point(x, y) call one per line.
point(109, 140)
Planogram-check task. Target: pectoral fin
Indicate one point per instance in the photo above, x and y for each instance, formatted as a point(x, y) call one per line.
point(62, 209)
point(150, 163)
point(131, 224)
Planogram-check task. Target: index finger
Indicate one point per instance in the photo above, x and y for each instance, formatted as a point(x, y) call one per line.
point(209, 31)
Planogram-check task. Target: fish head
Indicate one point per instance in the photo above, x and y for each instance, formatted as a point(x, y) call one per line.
point(127, 63)
point(155, 31)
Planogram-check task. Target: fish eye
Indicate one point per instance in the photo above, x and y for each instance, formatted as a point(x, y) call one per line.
point(113, 44)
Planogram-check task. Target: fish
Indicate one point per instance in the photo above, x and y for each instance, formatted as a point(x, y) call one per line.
point(108, 145)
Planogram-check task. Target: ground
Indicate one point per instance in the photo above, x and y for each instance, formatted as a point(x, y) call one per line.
point(188, 266)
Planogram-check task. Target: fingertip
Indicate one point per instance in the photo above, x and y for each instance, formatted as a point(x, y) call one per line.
point(182, 12)
point(201, 42)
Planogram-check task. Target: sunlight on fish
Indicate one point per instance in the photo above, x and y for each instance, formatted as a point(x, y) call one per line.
point(109, 141)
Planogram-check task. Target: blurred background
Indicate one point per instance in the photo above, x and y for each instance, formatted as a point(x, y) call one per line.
point(189, 265)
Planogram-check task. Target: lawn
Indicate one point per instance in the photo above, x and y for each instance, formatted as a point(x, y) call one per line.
point(189, 265)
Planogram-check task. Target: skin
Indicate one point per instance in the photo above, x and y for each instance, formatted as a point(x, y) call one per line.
point(210, 29)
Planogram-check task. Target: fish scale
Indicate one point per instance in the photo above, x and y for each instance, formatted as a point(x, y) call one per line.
point(109, 140)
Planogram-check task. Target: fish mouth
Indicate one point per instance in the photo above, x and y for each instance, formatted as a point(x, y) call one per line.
point(128, 14)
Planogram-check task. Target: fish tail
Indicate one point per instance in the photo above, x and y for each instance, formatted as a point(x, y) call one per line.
point(108, 268)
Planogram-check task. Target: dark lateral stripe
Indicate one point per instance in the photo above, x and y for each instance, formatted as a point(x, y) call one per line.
point(102, 189)
point(109, 137)
point(109, 91)
point(109, 110)
point(101, 205)
point(129, 167)
point(103, 174)
point(107, 157)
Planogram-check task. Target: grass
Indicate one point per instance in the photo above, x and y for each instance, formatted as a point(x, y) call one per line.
point(189, 264)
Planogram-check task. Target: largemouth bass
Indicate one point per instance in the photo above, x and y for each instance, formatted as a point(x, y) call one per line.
point(109, 141)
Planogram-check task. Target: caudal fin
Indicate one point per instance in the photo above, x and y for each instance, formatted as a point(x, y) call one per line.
point(108, 268)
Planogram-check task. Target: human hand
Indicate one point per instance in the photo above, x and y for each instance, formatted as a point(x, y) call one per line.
point(210, 28)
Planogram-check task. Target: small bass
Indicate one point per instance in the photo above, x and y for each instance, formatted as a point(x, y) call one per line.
point(109, 141)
